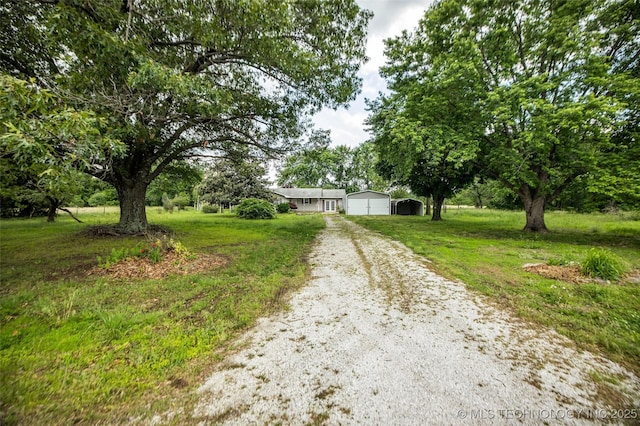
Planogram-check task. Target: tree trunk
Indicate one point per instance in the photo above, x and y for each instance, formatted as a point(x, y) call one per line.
point(133, 214)
point(51, 213)
point(534, 210)
point(54, 203)
point(427, 206)
point(438, 201)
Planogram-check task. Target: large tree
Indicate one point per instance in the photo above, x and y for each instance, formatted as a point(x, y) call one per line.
point(548, 84)
point(318, 164)
point(427, 131)
point(229, 181)
point(177, 79)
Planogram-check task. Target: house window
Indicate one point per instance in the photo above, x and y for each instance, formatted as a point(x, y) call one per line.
point(306, 201)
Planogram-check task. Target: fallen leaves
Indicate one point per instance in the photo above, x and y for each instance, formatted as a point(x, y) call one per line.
point(567, 273)
point(170, 264)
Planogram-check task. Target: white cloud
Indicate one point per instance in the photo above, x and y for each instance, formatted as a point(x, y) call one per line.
point(390, 18)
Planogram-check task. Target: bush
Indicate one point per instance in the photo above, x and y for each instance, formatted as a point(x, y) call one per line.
point(181, 201)
point(603, 264)
point(103, 198)
point(252, 208)
point(283, 208)
point(208, 208)
point(167, 204)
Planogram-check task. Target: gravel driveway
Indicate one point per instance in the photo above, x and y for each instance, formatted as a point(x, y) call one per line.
point(377, 338)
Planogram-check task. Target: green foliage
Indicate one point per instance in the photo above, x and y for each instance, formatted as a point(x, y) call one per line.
point(242, 76)
point(46, 145)
point(253, 208)
point(167, 203)
point(283, 208)
point(601, 263)
point(177, 179)
point(181, 201)
point(121, 341)
point(530, 92)
point(319, 165)
point(107, 197)
point(117, 255)
point(208, 208)
point(228, 182)
point(152, 250)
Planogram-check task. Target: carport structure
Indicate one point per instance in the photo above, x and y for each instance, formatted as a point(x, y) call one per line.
point(368, 203)
point(407, 207)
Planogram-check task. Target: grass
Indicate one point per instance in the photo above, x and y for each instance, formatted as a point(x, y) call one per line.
point(87, 349)
point(487, 249)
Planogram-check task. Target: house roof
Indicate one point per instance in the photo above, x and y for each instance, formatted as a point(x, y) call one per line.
point(309, 192)
point(402, 200)
point(367, 191)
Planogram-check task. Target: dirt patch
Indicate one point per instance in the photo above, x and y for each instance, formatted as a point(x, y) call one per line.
point(573, 274)
point(568, 273)
point(170, 264)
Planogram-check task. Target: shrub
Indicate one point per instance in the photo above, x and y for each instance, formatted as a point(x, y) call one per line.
point(208, 208)
point(283, 208)
point(252, 208)
point(167, 204)
point(603, 264)
point(103, 198)
point(181, 201)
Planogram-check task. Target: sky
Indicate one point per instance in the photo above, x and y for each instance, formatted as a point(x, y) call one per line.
point(390, 18)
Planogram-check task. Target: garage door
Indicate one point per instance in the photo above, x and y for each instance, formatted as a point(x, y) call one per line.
point(358, 207)
point(368, 206)
point(378, 206)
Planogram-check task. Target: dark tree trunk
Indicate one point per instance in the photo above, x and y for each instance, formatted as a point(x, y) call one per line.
point(54, 203)
point(438, 202)
point(534, 205)
point(133, 214)
point(427, 206)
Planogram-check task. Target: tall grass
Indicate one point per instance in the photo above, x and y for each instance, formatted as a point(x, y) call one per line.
point(78, 348)
point(487, 250)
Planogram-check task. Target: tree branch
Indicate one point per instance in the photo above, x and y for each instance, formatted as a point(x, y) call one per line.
point(70, 214)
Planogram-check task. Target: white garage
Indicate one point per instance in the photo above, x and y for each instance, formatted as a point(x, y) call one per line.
point(368, 203)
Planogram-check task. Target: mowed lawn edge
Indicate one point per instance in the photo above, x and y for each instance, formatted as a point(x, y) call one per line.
point(487, 250)
point(87, 349)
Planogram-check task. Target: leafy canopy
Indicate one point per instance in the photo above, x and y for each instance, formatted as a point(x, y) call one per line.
point(530, 90)
point(179, 79)
point(228, 182)
point(319, 165)
point(45, 144)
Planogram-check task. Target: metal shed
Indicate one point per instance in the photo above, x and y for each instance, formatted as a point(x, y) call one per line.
point(368, 203)
point(407, 206)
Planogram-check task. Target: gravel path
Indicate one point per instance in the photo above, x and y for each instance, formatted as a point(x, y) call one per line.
point(377, 338)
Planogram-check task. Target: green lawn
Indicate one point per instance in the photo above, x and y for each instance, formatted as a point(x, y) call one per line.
point(88, 349)
point(487, 249)
point(85, 349)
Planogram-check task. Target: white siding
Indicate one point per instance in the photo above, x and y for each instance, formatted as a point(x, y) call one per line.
point(368, 203)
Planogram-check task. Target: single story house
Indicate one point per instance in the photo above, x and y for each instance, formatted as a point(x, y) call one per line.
point(407, 206)
point(368, 203)
point(312, 199)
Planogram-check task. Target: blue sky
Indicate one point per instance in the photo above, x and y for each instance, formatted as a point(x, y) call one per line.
point(390, 18)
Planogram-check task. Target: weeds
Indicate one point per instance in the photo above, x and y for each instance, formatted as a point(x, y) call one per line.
point(601, 263)
point(153, 250)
